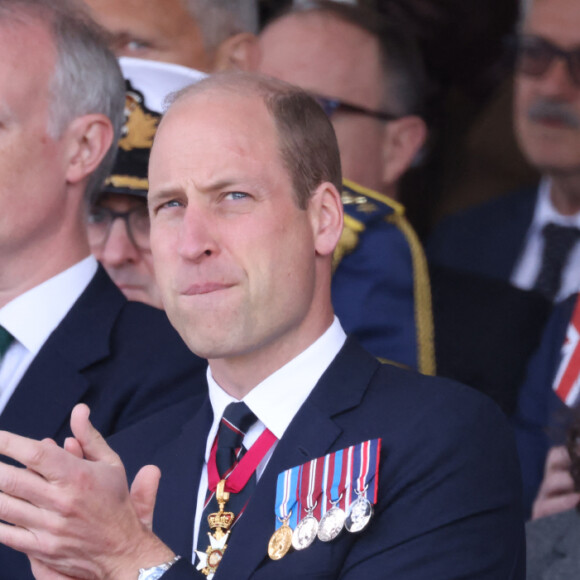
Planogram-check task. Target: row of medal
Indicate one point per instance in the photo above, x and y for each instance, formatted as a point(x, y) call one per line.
point(349, 475)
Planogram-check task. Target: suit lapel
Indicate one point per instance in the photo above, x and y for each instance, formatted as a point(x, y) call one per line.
point(312, 433)
point(181, 464)
point(519, 221)
point(54, 382)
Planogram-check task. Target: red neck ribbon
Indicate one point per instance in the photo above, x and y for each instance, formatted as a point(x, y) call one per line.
point(237, 477)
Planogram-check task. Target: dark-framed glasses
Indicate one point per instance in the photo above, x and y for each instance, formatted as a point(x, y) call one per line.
point(136, 221)
point(332, 106)
point(535, 55)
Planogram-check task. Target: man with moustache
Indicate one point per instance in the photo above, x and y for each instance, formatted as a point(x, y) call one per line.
point(245, 215)
point(531, 237)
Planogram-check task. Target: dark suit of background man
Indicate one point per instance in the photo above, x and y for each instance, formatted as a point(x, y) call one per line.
point(70, 333)
point(245, 213)
point(507, 238)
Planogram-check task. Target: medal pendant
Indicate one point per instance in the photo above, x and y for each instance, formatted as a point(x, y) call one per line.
point(211, 558)
point(359, 515)
point(222, 520)
point(331, 524)
point(305, 533)
point(280, 542)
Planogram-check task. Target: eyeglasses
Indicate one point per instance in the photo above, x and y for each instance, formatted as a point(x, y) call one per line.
point(136, 221)
point(535, 55)
point(331, 106)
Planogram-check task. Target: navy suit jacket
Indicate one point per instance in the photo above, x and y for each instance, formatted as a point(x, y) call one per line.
point(122, 358)
point(487, 239)
point(541, 418)
point(448, 495)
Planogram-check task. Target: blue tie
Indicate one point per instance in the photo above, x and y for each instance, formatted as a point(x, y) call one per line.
point(558, 243)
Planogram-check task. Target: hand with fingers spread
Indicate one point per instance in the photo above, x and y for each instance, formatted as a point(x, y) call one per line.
point(557, 490)
point(72, 510)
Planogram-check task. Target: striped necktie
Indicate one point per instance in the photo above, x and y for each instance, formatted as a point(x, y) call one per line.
point(236, 421)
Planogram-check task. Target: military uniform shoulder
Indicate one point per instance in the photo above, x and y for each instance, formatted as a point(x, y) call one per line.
point(366, 205)
point(364, 209)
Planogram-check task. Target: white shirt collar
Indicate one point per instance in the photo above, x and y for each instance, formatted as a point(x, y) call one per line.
point(277, 399)
point(545, 211)
point(32, 316)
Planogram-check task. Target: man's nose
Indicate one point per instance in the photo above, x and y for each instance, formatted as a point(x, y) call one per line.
point(557, 82)
point(198, 236)
point(118, 249)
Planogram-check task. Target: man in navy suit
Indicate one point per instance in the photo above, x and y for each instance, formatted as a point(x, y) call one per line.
point(70, 334)
point(245, 214)
point(530, 238)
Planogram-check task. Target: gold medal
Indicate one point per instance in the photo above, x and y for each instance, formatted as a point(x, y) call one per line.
point(210, 559)
point(220, 522)
point(281, 541)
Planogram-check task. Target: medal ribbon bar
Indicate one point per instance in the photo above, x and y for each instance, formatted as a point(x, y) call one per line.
point(338, 475)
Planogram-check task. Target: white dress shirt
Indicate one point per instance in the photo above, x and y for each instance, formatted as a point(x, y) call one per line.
point(275, 402)
point(528, 266)
point(31, 317)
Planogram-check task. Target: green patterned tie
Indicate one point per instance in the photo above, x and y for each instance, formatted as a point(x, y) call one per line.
point(5, 340)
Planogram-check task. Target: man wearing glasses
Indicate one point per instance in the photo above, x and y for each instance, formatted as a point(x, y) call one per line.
point(119, 236)
point(530, 238)
point(118, 224)
point(369, 79)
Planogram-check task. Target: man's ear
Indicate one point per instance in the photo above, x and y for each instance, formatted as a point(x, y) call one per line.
point(326, 214)
point(402, 142)
point(89, 138)
point(239, 52)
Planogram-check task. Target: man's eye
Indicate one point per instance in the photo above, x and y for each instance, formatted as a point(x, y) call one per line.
point(172, 203)
point(135, 45)
point(233, 195)
point(97, 217)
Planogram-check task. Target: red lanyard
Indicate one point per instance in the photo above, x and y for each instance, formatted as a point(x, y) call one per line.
point(237, 478)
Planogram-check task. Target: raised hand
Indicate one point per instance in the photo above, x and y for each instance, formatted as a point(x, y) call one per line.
point(72, 510)
point(556, 493)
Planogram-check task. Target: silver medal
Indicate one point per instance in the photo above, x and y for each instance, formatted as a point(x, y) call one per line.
point(305, 533)
point(331, 524)
point(359, 514)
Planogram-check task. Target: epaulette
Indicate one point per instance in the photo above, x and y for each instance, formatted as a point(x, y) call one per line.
point(364, 207)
